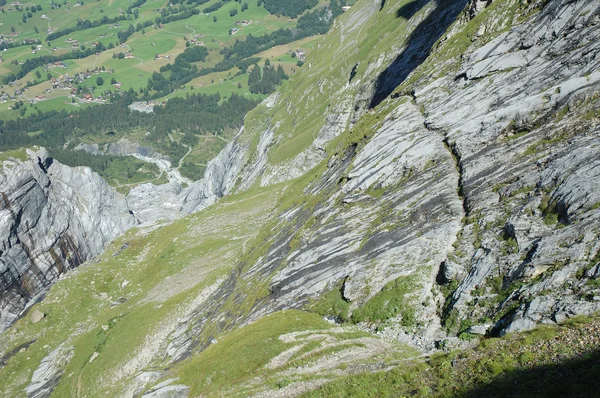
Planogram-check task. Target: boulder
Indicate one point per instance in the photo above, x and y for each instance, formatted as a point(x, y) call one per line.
point(37, 316)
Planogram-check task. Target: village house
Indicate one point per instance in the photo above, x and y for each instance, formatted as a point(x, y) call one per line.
point(301, 54)
point(195, 40)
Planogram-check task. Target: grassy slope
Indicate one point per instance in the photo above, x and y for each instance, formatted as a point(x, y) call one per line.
point(549, 361)
point(165, 268)
point(242, 362)
point(232, 353)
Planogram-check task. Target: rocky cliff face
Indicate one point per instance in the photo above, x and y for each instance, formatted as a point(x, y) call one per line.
point(180, 196)
point(521, 119)
point(475, 180)
point(52, 219)
point(171, 201)
point(511, 135)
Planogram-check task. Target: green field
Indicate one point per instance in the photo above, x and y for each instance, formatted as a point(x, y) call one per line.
point(144, 46)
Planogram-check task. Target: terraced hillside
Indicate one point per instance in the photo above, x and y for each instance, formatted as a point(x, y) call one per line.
point(414, 212)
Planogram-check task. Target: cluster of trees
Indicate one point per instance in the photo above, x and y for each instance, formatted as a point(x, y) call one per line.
point(213, 7)
point(245, 63)
point(289, 8)
point(192, 2)
point(181, 71)
point(57, 126)
point(196, 114)
point(176, 17)
point(266, 83)
point(124, 34)
point(135, 4)
point(108, 166)
point(201, 113)
point(83, 25)
point(29, 11)
point(193, 54)
point(27, 42)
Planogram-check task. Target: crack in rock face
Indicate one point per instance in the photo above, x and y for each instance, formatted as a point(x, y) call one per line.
point(527, 158)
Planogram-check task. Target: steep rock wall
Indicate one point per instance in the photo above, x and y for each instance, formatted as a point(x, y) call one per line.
point(476, 177)
point(521, 118)
point(52, 219)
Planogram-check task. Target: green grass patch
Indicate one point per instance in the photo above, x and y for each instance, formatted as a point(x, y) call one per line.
point(241, 354)
point(18, 154)
point(390, 302)
point(332, 304)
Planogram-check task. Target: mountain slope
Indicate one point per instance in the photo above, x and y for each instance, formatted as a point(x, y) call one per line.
point(434, 176)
